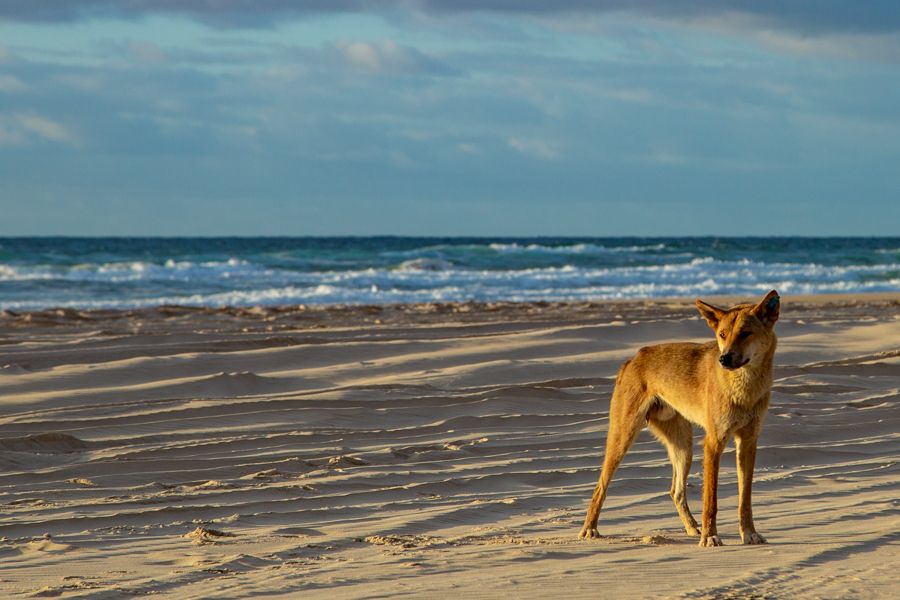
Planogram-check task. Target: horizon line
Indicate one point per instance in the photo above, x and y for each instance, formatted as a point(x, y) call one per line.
point(450, 236)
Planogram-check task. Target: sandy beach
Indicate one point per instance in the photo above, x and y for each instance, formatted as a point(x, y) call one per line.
point(430, 450)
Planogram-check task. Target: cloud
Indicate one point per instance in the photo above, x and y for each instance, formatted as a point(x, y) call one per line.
point(11, 84)
point(822, 16)
point(536, 148)
point(45, 128)
point(221, 13)
point(363, 55)
point(25, 128)
point(388, 57)
point(877, 16)
point(880, 47)
point(469, 148)
point(147, 52)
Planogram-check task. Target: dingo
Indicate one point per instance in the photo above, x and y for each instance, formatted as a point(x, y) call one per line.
point(723, 386)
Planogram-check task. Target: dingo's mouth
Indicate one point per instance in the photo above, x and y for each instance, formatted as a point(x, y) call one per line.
point(735, 367)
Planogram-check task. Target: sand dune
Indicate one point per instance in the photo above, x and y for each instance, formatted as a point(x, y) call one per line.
point(424, 451)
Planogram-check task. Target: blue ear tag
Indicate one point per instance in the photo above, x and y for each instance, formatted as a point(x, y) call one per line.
point(772, 303)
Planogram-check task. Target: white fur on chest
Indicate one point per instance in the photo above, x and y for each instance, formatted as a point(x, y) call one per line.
point(745, 387)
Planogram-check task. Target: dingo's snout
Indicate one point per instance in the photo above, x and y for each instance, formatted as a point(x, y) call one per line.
point(730, 361)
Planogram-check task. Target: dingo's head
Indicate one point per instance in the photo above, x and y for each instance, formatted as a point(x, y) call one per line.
point(743, 332)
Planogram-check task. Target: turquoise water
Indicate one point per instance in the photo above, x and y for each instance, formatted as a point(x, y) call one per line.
point(135, 272)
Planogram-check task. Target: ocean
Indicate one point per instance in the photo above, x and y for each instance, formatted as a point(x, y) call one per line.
point(38, 273)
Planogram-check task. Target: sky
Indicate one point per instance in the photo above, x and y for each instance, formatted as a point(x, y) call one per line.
point(449, 117)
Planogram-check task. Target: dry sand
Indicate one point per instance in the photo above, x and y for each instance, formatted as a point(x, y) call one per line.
point(425, 451)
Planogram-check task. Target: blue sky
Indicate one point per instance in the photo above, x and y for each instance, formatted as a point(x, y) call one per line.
point(439, 117)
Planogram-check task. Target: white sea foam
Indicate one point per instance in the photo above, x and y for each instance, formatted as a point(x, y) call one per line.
point(582, 248)
point(436, 273)
point(365, 286)
point(133, 271)
point(324, 294)
point(425, 264)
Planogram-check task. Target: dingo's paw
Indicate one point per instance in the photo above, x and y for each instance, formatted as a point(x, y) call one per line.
point(693, 530)
point(751, 537)
point(588, 533)
point(708, 541)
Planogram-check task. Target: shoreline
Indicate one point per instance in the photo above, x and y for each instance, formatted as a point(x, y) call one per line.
point(301, 316)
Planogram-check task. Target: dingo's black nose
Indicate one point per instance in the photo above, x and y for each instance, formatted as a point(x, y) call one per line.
point(725, 360)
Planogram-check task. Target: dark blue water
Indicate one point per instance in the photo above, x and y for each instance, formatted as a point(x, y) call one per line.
point(133, 272)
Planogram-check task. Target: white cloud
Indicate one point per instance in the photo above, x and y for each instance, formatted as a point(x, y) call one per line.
point(45, 128)
point(536, 148)
point(879, 47)
point(23, 129)
point(387, 56)
point(11, 83)
point(467, 148)
point(363, 55)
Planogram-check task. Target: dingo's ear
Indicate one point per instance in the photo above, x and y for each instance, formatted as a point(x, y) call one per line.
point(711, 313)
point(767, 310)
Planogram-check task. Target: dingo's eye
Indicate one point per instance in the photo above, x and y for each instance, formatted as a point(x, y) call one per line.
point(744, 335)
point(722, 335)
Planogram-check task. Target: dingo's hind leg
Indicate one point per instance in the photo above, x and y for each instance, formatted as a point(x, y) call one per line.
point(627, 415)
point(676, 434)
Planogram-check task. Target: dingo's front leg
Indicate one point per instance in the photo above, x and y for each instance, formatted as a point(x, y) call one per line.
point(712, 452)
point(745, 440)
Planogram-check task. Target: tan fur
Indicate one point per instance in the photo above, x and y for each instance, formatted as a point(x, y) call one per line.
point(669, 386)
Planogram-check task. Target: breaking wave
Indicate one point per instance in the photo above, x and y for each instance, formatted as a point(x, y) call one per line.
point(36, 274)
